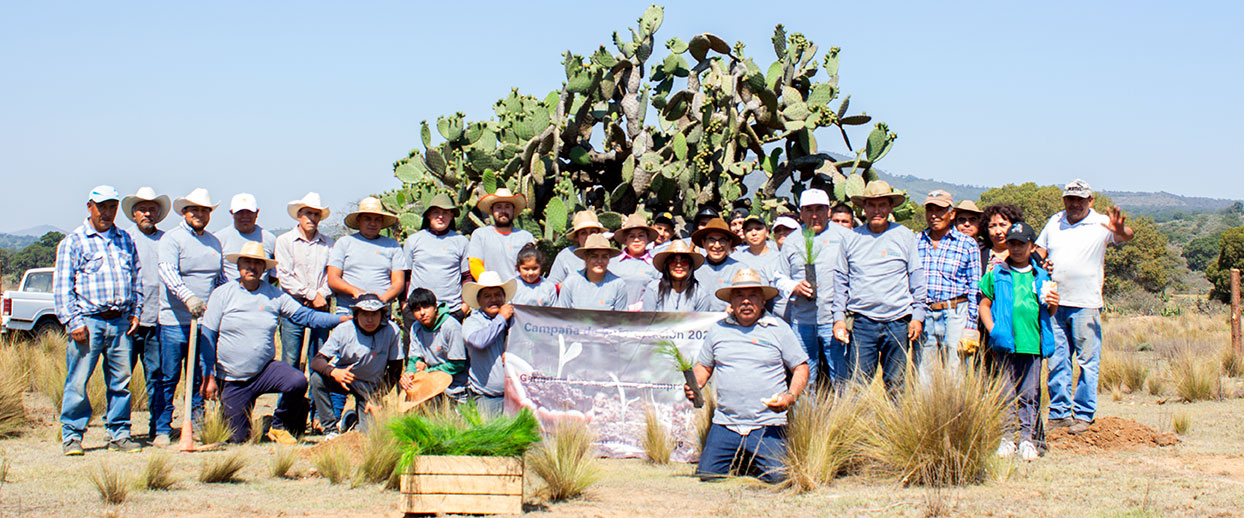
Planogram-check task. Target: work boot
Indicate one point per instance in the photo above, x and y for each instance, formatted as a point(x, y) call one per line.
point(161, 441)
point(1079, 427)
point(1061, 422)
point(124, 444)
point(281, 436)
point(73, 448)
point(1028, 451)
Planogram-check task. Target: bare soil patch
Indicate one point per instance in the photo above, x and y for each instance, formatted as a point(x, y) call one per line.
point(1109, 434)
point(351, 442)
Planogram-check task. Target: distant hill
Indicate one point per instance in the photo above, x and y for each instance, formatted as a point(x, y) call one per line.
point(918, 187)
point(36, 231)
point(13, 242)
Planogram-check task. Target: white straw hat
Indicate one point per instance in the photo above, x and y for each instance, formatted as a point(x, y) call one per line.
point(199, 197)
point(146, 194)
point(310, 201)
point(470, 290)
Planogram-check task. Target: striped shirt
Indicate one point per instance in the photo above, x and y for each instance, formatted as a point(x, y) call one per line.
point(96, 272)
point(951, 269)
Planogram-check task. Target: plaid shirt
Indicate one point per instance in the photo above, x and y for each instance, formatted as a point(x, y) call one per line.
point(96, 272)
point(952, 269)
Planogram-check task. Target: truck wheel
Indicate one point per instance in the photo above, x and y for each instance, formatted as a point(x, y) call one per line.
point(46, 327)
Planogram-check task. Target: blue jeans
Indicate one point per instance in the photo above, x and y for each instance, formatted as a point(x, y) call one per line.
point(940, 344)
point(238, 399)
point(105, 339)
point(174, 344)
point(292, 354)
point(877, 343)
point(760, 451)
point(1076, 331)
point(145, 348)
point(826, 355)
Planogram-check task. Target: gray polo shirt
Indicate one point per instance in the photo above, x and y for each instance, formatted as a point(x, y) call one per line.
point(485, 337)
point(691, 299)
point(579, 293)
point(879, 276)
point(149, 269)
point(498, 251)
point(441, 346)
point(231, 242)
point(826, 247)
point(713, 277)
point(565, 264)
point(369, 355)
point(543, 293)
point(245, 321)
point(750, 365)
point(366, 264)
point(636, 273)
point(438, 263)
point(196, 261)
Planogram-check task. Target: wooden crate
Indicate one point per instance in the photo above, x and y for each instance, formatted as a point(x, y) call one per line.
point(463, 485)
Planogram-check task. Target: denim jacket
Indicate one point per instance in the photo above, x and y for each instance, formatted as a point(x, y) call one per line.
point(1002, 338)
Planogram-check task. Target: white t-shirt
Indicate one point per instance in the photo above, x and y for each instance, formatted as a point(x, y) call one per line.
point(1078, 252)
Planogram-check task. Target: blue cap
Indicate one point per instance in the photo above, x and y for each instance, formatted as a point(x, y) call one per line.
point(103, 193)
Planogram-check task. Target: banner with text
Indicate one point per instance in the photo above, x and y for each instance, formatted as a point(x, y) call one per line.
point(603, 367)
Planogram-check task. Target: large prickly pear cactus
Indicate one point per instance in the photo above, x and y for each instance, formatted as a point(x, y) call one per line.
point(627, 132)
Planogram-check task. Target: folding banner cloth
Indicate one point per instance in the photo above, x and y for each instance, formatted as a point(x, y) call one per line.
point(602, 367)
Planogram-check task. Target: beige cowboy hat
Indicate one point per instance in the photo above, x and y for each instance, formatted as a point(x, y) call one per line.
point(146, 194)
point(485, 204)
point(968, 206)
point(427, 385)
point(715, 225)
point(369, 205)
point(677, 246)
point(197, 198)
point(596, 242)
point(310, 201)
point(470, 290)
point(747, 278)
point(879, 189)
point(252, 250)
point(632, 222)
point(583, 220)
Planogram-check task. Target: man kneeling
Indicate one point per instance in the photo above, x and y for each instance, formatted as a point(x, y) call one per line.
point(751, 353)
point(363, 358)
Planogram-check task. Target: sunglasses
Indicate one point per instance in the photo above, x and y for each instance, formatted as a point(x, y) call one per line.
point(967, 219)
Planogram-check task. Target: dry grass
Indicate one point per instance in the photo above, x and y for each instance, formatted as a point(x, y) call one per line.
point(223, 469)
point(257, 428)
point(1157, 385)
point(282, 464)
point(1196, 377)
point(13, 383)
point(138, 389)
point(111, 486)
point(1232, 361)
point(380, 456)
point(704, 416)
point(46, 364)
point(1181, 422)
point(215, 428)
point(333, 464)
point(565, 460)
point(1120, 369)
point(657, 443)
point(158, 474)
point(824, 432)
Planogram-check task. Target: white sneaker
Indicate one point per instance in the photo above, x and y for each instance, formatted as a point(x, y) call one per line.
point(1006, 449)
point(330, 436)
point(1028, 451)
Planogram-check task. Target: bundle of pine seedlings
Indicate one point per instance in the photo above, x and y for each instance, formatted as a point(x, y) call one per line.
point(463, 431)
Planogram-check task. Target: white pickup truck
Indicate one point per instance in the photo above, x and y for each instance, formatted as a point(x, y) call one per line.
point(29, 308)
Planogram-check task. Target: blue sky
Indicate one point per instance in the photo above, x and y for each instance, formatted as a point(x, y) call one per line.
point(279, 98)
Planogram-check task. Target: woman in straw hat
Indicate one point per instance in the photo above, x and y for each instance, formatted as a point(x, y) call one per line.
point(634, 264)
point(437, 255)
point(595, 287)
point(677, 289)
point(146, 210)
point(239, 348)
point(717, 241)
point(485, 332)
point(367, 262)
point(566, 262)
point(495, 247)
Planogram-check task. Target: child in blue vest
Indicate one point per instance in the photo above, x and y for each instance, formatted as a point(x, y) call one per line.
point(1018, 301)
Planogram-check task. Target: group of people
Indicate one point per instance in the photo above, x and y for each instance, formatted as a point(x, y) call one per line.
point(811, 299)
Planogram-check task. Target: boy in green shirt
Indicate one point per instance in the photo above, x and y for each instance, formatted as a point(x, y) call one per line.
point(1020, 332)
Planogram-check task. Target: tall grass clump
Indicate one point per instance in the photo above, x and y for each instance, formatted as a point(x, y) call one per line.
point(48, 367)
point(942, 433)
point(111, 486)
point(158, 475)
point(704, 416)
point(1232, 361)
point(380, 454)
point(215, 428)
point(13, 383)
point(1181, 422)
point(1135, 372)
point(565, 460)
point(138, 388)
point(332, 463)
point(1196, 379)
point(657, 443)
point(824, 431)
point(463, 431)
point(1157, 385)
point(222, 469)
point(282, 464)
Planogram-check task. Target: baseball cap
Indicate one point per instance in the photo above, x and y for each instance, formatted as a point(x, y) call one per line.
point(739, 213)
point(243, 201)
point(103, 193)
point(1078, 188)
point(1021, 232)
point(368, 302)
point(940, 198)
point(812, 197)
point(786, 221)
point(664, 217)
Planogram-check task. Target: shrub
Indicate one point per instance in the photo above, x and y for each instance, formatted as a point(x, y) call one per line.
point(332, 463)
point(282, 463)
point(1196, 378)
point(823, 435)
point(215, 428)
point(1182, 422)
point(219, 469)
point(111, 486)
point(565, 460)
point(158, 473)
point(656, 438)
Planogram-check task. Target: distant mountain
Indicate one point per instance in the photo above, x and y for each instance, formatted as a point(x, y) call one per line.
point(12, 242)
point(918, 187)
point(36, 231)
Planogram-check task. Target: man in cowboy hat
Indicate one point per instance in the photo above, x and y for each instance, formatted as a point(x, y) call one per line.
point(97, 295)
point(566, 262)
point(245, 210)
point(717, 241)
point(753, 356)
point(435, 345)
point(495, 247)
point(594, 287)
point(634, 264)
point(362, 357)
point(146, 210)
point(807, 276)
point(238, 346)
point(485, 332)
point(301, 264)
point(952, 270)
point(367, 262)
point(191, 266)
point(879, 277)
point(437, 255)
